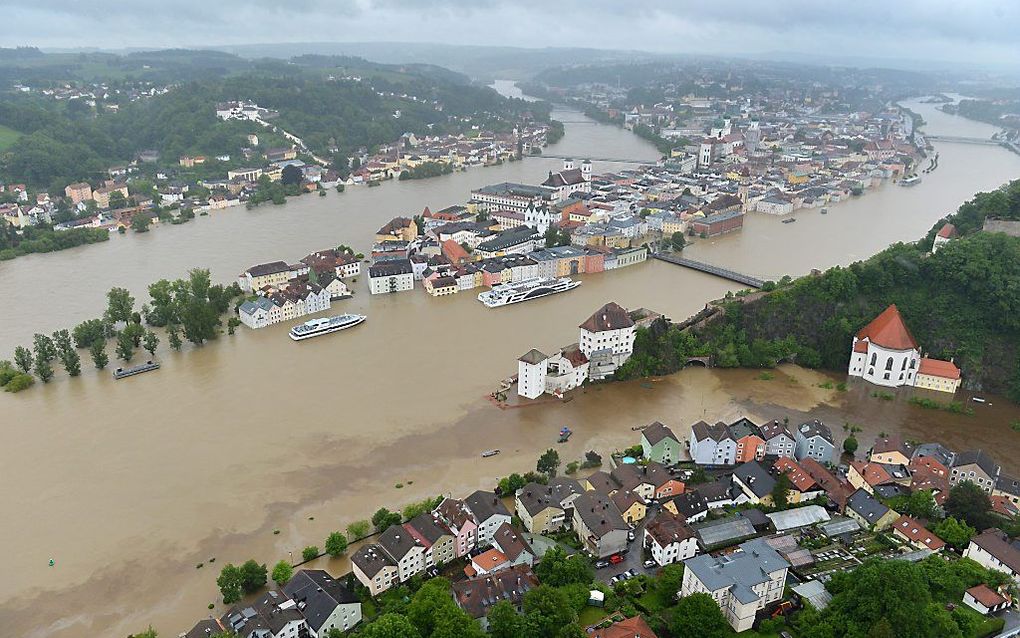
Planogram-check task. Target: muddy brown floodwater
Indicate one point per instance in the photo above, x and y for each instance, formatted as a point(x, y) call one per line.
point(129, 485)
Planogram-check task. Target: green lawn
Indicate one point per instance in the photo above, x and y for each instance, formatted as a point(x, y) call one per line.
point(7, 137)
point(591, 615)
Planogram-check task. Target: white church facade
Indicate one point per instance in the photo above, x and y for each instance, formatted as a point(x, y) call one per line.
point(885, 353)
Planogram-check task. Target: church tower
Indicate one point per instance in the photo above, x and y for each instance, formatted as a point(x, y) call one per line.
point(586, 170)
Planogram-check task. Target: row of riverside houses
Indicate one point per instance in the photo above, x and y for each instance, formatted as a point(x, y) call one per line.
point(745, 581)
point(310, 605)
point(606, 509)
point(456, 251)
point(457, 151)
point(287, 291)
point(892, 462)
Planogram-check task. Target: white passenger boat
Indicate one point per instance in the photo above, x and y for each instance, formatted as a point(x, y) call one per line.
point(317, 327)
point(526, 290)
point(913, 180)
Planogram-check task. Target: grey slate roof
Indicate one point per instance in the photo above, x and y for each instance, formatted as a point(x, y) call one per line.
point(756, 478)
point(657, 432)
point(535, 497)
point(599, 514)
point(397, 541)
point(739, 571)
point(320, 593)
point(484, 505)
point(980, 458)
point(866, 506)
point(718, 432)
point(812, 429)
point(937, 451)
point(690, 504)
point(268, 269)
point(371, 559)
point(771, 430)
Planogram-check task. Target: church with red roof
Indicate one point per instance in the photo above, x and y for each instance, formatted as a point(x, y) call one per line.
point(885, 353)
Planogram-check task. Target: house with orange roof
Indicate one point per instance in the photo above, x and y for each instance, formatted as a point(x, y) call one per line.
point(884, 352)
point(455, 252)
point(487, 562)
point(910, 530)
point(942, 376)
point(947, 233)
point(635, 627)
point(804, 486)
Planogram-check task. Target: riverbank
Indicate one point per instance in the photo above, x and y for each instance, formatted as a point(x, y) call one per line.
point(128, 485)
point(341, 480)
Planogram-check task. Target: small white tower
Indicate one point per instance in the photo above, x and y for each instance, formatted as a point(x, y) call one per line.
point(531, 371)
point(586, 170)
point(568, 164)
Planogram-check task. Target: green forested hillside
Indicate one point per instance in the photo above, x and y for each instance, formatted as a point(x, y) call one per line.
point(962, 302)
point(68, 140)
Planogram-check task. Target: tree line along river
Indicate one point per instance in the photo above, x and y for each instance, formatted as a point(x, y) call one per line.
point(127, 485)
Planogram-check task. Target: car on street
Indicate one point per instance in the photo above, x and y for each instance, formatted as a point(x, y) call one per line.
point(631, 536)
point(616, 559)
point(600, 564)
point(650, 564)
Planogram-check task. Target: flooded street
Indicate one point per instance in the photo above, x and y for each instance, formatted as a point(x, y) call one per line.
point(129, 485)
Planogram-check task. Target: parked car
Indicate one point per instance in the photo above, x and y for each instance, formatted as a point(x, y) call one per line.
point(631, 536)
point(616, 559)
point(631, 573)
point(600, 564)
point(614, 580)
point(650, 564)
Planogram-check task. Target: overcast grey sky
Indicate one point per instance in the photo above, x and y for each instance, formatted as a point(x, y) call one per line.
point(963, 30)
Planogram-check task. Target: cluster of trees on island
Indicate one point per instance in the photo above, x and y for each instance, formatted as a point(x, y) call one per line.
point(43, 239)
point(961, 302)
point(186, 309)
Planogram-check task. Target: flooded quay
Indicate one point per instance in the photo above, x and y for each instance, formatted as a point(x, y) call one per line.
point(128, 485)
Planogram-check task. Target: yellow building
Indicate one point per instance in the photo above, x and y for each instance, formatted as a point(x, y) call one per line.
point(630, 504)
point(942, 376)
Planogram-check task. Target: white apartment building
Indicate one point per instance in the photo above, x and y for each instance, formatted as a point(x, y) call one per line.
point(741, 583)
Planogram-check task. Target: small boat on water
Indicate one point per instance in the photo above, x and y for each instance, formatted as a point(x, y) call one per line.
point(825, 211)
point(486, 454)
point(913, 180)
point(790, 220)
point(148, 366)
point(564, 435)
point(317, 327)
point(977, 400)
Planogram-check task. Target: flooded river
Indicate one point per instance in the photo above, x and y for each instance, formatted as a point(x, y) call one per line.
point(127, 486)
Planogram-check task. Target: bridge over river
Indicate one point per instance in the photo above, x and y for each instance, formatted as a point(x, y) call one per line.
point(611, 160)
point(732, 275)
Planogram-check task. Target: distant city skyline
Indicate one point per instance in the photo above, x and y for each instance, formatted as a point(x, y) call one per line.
point(981, 32)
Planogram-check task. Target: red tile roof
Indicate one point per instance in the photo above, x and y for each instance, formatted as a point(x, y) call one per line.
point(917, 533)
point(800, 479)
point(948, 231)
point(938, 368)
point(984, 595)
point(635, 627)
point(455, 252)
point(889, 331)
